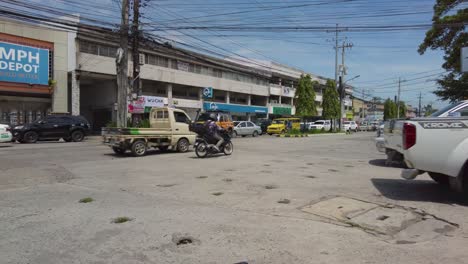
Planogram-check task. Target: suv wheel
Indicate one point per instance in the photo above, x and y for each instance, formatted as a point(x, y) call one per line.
point(30, 137)
point(77, 136)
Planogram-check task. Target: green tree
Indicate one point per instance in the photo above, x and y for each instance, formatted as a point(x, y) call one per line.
point(390, 109)
point(304, 99)
point(403, 109)
point(331, 102)
point(429, 110)
point(448, 33)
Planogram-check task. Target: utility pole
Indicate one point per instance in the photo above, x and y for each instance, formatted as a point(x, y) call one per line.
point(398, 97)
point(363, 111)
point(419, 107)
point(342, 81)
point(336, 55)
point(135, 48)
point(122, 68)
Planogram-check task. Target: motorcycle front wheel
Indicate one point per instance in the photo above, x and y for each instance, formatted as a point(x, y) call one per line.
point(201, 150)
point(228, 148)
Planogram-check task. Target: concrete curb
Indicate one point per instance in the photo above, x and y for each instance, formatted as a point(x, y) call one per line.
point(309, 135)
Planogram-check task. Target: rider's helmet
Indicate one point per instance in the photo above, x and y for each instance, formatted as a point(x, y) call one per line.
point(212, 117)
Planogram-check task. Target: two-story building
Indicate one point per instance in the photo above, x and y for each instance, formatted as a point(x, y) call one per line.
point(33, 71)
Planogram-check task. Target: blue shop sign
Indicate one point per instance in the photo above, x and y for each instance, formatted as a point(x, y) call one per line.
point(23, 64)
point(234, 108)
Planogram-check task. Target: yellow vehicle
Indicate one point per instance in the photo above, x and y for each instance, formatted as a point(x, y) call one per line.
point(282, 125)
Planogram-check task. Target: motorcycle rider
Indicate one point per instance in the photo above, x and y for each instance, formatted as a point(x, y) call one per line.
point(213, 130)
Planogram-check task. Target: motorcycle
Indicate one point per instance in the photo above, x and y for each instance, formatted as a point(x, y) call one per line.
point(204, 145)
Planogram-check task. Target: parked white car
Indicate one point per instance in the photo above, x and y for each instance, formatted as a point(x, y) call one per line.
point(246, 128)
point(5, 133)
point(350, 126)
point(320, 124)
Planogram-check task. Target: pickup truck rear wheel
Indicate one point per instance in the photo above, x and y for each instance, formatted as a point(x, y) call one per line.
point(138, 148)
point(183, 145)
point(440, 178)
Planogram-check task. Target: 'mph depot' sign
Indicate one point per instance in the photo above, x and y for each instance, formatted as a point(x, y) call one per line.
point(23, 64)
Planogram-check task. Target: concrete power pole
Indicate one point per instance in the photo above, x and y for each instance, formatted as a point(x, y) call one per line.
point(342, 81)
point(122, 68)
point(398, 97)
point(136, 47)
point(336, 55)
point(419, 107)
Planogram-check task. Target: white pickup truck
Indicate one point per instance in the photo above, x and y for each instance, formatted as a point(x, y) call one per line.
point(391, 142)
point(438, 146)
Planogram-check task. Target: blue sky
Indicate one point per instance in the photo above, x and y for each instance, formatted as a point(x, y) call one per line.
point(379, 57)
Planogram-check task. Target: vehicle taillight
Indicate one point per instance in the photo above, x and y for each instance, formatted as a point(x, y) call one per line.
point(409, 135)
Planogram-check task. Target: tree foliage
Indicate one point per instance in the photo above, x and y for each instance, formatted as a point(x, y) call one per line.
point(429, 110)
point(390, 109)
point(403, 109)
point(331, 102)
point(304, 99)
point(448, 34)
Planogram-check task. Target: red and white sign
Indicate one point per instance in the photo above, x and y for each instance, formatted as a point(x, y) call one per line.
point(138, 106)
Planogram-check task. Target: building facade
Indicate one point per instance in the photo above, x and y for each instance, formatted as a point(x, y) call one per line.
point(175, 77)
point(75, 73)
point(33, 71)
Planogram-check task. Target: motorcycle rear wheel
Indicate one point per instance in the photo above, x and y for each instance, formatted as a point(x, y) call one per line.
point(201, 150)
point(228, 148)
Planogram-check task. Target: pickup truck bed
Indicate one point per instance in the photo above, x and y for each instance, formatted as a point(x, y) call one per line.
point(438, 146)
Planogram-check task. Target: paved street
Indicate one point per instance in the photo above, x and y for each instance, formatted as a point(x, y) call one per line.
point(273, 201)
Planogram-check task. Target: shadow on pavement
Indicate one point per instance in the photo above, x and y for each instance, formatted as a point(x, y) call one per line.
point(417, 190)
point(128, 154)
point(381, 163)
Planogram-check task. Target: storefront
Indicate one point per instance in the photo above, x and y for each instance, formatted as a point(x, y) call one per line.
point(144, 103)
point(283, 111)
point(25, 92)
point(33, 72)
point(238, 112)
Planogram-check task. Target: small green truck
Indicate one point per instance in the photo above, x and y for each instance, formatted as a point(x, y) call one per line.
point(169, 128)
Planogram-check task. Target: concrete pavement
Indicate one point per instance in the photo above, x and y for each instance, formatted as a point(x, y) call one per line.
point(222, 209)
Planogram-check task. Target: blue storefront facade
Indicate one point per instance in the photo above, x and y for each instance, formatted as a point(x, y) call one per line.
point(238, 112)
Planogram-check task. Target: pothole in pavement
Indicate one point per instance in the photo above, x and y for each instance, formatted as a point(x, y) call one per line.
point(391, 223)
point(184, 240)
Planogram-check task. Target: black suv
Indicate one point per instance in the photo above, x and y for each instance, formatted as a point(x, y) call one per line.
point(54, 127)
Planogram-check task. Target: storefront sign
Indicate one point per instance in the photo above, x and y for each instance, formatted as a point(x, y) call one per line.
point(183, 66)
point(282, 110)
point(24, 64)
point(235, 108)
point(286, 90)
point(143, 104)
point(208, 92)
point(186, 103)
